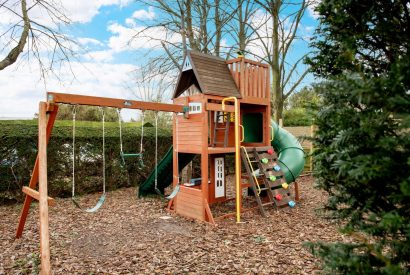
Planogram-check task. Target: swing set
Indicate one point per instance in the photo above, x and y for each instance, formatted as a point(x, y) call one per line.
point(46, 118)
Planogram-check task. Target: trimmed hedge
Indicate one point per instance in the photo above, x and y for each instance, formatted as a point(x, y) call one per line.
point(18, 150)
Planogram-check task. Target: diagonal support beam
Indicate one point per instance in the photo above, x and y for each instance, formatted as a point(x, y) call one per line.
point(34, 177)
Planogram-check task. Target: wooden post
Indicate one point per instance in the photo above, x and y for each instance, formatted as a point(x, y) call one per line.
point(297, 194)
point(43, 204)
point(34, 177)
point(205, 158)
point(175, 166)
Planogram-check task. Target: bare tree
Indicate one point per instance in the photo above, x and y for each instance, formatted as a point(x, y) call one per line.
point(275, 32)
point(239, 28)
point(265, 29)
point(199, 24)
point(35, 31)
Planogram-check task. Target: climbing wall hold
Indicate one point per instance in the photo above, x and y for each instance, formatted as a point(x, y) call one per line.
point(270, 151)
point(265, 160)
point(278, 197)
point(285, 185)
point(291, 204)
point(276, 167)
point(272, 178)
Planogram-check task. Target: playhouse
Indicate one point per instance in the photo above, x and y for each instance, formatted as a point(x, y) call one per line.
point(208, 130)
point(219, 108)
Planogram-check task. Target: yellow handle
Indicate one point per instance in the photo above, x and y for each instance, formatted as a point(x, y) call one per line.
point(272, 133)
point(243, 132)
point(237, 156)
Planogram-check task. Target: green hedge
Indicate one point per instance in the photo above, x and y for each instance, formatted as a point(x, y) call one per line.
point(18, 150)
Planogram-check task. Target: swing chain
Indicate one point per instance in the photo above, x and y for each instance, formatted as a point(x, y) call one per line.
point(156, 152)
point(74, 112)
point(142, 131)
point(120, 128)
point(103, 145)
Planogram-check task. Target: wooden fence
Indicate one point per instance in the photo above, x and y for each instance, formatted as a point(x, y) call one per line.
point(304, 135)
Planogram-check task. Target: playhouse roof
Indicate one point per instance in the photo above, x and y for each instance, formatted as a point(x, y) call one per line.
point(210, 74)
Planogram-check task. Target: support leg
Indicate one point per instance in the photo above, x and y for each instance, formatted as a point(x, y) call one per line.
point(297, 198)
point(43, 203)
point(34, 177)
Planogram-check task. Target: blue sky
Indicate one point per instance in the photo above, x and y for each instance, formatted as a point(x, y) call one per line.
point(106, 60)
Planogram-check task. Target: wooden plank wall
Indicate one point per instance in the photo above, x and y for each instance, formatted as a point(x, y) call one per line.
point(190, 133)
point(190, 203)
point(251, 77)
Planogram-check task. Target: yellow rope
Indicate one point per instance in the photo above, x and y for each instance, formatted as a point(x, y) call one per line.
point(253, 172)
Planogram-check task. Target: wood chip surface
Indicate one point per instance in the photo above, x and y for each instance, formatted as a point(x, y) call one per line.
point(131, 236)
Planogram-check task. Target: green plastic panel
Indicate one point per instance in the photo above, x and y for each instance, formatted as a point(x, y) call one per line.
point(253, 127)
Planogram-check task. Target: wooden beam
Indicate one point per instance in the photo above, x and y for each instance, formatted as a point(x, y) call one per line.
point(34, 177)
point(42, 170)
point(112, 102)
point(218, 107)
point(208, 213)
point(36, 195)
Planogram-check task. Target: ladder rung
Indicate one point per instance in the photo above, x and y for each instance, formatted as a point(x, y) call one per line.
point(36, 195)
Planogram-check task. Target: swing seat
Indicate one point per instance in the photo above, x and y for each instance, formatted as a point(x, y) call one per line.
point(95, 208)
point(126, 155)
point(174, 193)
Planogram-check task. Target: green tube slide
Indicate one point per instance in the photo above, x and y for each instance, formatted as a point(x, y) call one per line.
point(291, 154)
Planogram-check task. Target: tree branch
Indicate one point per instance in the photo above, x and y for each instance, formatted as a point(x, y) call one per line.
point(18, 49)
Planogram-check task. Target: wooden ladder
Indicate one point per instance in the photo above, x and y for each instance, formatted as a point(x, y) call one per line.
point(227, 117)
point(266, 170)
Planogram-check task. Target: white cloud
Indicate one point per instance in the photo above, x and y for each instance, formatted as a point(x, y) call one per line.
point(144, 14)
point(100, 56)
point(79, 11)
point(89, 41)
point(21, 90)
point(126, 39)
point(311, 9)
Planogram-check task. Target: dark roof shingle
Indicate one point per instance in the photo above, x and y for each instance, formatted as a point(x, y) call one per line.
point(210, 74)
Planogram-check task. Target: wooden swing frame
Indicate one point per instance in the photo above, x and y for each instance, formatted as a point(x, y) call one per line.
point(46, 117)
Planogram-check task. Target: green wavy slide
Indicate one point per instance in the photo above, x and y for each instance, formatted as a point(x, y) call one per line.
point(291, 160)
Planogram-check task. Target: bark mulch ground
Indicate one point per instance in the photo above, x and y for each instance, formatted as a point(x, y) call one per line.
point(129, 235)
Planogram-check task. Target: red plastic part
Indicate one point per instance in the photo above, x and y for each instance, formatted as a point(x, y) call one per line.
point(270, 151)
point(278, 197)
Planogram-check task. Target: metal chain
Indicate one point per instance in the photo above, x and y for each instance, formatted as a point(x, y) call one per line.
point(103, 144)
point(142, 131)
point(156, 150)
point(73, 153)
point(120, 126)
point(176, 133)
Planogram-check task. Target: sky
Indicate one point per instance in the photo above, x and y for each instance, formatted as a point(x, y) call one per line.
point(106, 62)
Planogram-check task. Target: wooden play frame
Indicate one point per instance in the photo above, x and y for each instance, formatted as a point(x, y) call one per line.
point(46, 117)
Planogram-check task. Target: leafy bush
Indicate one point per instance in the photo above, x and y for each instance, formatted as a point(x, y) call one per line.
point(18, 149)
point(362, 156)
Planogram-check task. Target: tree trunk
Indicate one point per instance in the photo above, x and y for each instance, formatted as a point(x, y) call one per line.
point(189, 28)
point(277, 94)
point(218, 28)
point(241, 31)
point(17, 50)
